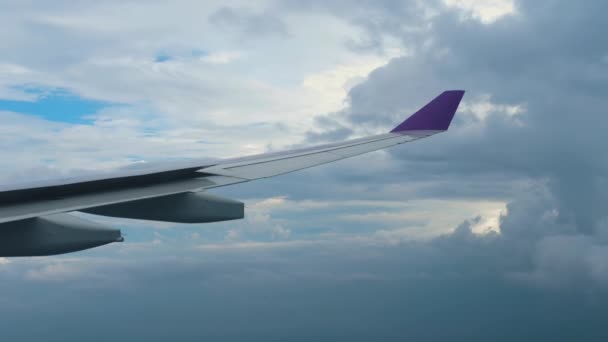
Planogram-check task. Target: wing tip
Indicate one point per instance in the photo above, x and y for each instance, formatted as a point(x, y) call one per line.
point(436, 115)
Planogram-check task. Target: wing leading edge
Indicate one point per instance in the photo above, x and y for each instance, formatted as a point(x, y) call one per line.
point(433, 118)
point(107, 192)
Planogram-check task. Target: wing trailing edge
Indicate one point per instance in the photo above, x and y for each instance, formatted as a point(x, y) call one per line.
point(135, 194)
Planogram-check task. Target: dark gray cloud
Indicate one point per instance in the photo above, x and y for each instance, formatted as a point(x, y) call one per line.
point(550, 58)
point(554, 232)
point(457, 286)
point(407, 20)
point(545, 59)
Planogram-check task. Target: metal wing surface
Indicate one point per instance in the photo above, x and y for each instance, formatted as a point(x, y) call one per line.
point(164, 192)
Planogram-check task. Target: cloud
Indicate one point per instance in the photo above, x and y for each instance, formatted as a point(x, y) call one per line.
point(520, 133)
point(335, 259)
point(250, 25)
point(203, 92)
point(486, 11)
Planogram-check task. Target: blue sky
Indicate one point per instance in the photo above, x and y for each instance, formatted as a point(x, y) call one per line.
point(495, 230)
point(55, 105)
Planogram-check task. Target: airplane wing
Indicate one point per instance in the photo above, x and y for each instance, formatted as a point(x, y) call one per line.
point(33, 219)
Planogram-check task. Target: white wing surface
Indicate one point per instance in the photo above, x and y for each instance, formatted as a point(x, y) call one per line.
point(33, 215)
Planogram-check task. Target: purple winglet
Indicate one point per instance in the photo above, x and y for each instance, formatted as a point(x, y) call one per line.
point(435, 116)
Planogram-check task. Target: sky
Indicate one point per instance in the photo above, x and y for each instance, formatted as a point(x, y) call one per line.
point(496, 230)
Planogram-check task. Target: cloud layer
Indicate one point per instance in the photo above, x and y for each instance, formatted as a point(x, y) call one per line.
point(496, 230)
